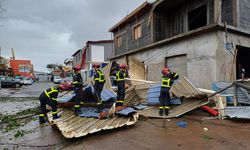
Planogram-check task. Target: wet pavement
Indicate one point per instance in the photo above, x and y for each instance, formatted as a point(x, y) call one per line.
point(33, 90)
point(200, 132)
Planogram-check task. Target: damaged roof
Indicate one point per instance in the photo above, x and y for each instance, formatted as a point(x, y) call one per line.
point(73, 127)
point(145, 5)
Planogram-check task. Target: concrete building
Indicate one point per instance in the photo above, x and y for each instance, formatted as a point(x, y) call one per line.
point(97, 51)
point(22, 67)
point(5, 66)
point(204, 40)
point(77, 58)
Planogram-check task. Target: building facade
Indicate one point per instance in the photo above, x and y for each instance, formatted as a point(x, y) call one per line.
point(204, 40)
point(22, 67)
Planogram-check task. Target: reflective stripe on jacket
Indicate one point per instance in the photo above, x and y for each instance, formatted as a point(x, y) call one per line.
point(51, 93)
point(100, 77)
point(120, 78)
point(166, 82)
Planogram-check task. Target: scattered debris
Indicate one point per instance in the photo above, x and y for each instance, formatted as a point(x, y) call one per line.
point(210, 110)
point(182, 124)
point(238, 112)
point(72, 126)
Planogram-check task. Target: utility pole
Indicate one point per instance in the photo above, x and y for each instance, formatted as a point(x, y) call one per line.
point(0, 51)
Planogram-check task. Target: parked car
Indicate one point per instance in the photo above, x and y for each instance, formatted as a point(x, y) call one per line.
point(27, 81)
point(7, 81)
point(19, 78)
point(57, 80)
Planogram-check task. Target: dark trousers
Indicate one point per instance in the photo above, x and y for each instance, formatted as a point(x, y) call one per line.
point(120, 93)
point(44, 100)
point(99, 88)
point(164, 98)
point(78, 96)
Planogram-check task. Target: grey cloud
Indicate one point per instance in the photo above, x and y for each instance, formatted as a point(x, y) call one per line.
point(49, 31)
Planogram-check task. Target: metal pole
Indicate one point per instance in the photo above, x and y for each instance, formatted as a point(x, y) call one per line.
point(235, 94)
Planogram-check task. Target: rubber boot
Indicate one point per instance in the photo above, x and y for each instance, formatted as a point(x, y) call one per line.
point(99, 108)
point(42, 121)
point(160, 112)
point(76, 111)
point(166, 112)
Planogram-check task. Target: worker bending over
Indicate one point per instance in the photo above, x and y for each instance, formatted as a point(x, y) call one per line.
point(49, 97)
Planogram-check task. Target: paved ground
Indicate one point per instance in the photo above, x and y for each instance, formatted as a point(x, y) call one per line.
point(33, 90)
point(146, 134)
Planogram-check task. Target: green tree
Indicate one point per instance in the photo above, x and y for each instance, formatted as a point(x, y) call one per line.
point(51, 66)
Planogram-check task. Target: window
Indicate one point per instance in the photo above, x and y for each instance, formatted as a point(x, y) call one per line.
point(137, 32)
point(118, 41)
point(24, 68)
point(197, 18)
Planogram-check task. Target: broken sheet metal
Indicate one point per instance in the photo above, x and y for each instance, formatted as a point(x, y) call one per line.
point(184, 88)
point(127, 111)
point(175, 111)
point(140, 107)
point(238, 112)
point(153, 96)
point(108, 95)
point(243, 95)
point(72, 126)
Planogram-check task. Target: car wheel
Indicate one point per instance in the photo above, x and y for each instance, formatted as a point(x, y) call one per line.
point(17, 85)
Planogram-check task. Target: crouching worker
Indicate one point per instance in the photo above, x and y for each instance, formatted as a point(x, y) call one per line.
point(168, 78)
point(49, 97)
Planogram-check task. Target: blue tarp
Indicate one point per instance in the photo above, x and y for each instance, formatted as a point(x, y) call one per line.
point(90, 112)
point(108, 95)
point(65, 98)
point(126, 111)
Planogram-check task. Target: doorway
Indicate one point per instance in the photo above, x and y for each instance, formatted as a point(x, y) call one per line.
point(243, 62)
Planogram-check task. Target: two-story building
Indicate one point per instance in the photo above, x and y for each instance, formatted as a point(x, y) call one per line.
point(204, 40)
point(93, 52)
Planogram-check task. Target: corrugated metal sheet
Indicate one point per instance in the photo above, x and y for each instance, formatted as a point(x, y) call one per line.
point(136, 70)
point(72, 126)
point(243, 96)
point(184, 88)
point(238, 112)
point(175, 111)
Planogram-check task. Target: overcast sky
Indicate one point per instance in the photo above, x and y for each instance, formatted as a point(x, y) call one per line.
point(49, 31)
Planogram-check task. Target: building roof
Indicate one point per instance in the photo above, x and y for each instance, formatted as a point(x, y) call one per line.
point(76, 52)
point(139, 9)
point(100, 41)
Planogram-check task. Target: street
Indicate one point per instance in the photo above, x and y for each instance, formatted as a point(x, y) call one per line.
point(200, 132)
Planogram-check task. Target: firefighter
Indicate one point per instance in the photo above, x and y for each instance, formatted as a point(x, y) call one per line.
point(77, 83)
point(168, 78)
point(120, 82)
point(49, 97)
point(99, 79)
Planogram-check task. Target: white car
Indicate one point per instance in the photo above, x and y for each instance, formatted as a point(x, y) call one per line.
point(27, 81)
point(57, 80)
